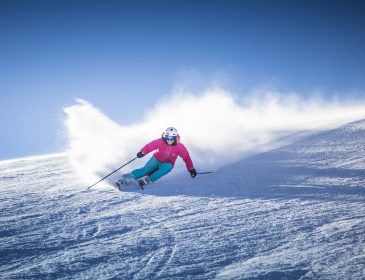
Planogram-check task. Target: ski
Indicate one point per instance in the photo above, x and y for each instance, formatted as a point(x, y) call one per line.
point(120, 184)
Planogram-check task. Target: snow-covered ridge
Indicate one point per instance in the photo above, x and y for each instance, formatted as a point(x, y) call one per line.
point(32, 158)
point(325, 161)
point(296, 212)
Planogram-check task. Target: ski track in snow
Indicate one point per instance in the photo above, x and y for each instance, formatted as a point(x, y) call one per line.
point(297, 212)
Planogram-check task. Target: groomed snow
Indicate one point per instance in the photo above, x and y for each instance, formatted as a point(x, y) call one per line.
point(297, 212)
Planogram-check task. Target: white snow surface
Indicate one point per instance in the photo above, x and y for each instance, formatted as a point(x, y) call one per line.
point(296, 212)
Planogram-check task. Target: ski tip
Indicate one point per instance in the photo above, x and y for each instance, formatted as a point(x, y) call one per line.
point(117, 186)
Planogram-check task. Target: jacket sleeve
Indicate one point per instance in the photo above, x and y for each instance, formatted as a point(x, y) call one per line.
point(150, 146)
point(186, 157)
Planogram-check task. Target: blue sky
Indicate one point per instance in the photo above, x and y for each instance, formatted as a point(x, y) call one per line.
point(123, 56)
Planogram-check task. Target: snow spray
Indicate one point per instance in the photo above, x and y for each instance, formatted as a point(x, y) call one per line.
point(217, 128)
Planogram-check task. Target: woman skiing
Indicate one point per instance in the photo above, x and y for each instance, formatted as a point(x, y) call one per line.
point(168, 148)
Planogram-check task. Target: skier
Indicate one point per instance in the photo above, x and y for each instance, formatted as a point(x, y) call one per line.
point(162, 162)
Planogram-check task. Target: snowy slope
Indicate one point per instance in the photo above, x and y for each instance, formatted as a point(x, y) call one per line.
point(293, 213)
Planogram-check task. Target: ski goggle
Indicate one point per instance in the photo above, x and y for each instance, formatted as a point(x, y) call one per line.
point(170, 137)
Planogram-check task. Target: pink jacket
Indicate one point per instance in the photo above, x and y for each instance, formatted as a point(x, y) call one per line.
point(166, 153)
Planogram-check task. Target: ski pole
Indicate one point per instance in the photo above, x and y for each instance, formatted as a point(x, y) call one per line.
point(208, 172)
point(112, 173)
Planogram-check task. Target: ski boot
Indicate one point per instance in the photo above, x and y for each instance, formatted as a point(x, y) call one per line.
point(122, 182)
point(144, 181)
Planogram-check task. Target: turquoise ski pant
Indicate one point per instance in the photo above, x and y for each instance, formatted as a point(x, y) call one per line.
point(162, 168)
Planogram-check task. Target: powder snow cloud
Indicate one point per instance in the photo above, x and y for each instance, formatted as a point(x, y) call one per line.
point(217, 128)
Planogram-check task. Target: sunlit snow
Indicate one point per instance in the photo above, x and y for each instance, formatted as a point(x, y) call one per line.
point(296, 212)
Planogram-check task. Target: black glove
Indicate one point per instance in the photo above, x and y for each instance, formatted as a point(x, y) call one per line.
point(140, 154)
point(193, 173)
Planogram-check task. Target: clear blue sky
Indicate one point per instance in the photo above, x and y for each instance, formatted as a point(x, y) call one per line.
point(123, 55)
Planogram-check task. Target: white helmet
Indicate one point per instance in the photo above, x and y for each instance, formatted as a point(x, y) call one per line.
point(170, 133)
